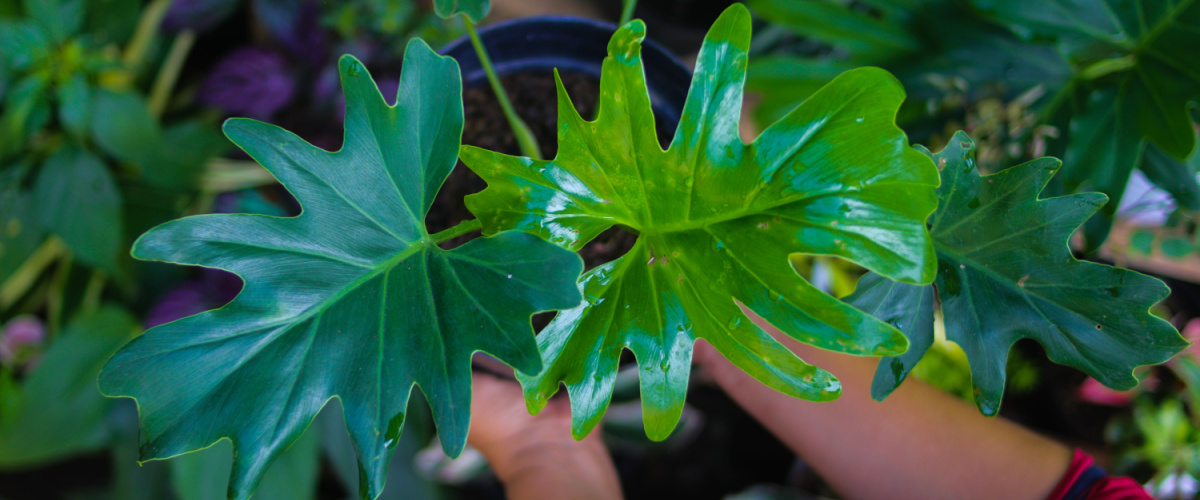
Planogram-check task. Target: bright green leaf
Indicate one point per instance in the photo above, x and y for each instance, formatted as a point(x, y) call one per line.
point(351, 299)
point(717, 220)
point(474, 10)
point(60, 18)
point(61, 412)
point(1005, 273)
point(24, 102)
point(77, 199)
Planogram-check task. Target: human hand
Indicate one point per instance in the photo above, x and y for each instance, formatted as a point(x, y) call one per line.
point(535, 455)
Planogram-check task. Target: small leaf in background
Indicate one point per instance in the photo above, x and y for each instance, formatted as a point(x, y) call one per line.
point(124, 128)
point(1176, 247)
point(22, 106)
point(61, 412)
point(1173, 176)
point(352, 298)
point(20, 229)
point(76, 198)
point(23, 43)
point(1142, 241)
point(187, 146)
point(252, 82)
point(204, 474)
point(111, 21)
point(60, 18)
point(717, 220)
point(1102, 151)
point(75, 105)
point(1005, 273)
point(474, 10)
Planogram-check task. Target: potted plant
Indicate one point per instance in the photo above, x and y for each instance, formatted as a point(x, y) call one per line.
point(356, 299)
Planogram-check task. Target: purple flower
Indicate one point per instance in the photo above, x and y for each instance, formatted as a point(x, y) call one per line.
point(252, 82)
point(21, 341)
point(213, 289)
point(198, 15)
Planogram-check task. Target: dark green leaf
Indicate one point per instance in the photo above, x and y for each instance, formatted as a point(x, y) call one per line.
point(1102, 151)
point(20, 231)
point(1171, 175)
point(77, 200)
point(866, 36)
point(204, 474)
point(186, 147)
point(351, 299)
point(717, 220)
point(61, 412)
point(124, 128)
point(75, 105)
point(906, 307)
point(474, 10)
point(112, 21)
point(60, 18)
point(1005, 273)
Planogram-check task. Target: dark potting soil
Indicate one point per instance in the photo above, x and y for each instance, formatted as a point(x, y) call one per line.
point(533, 96)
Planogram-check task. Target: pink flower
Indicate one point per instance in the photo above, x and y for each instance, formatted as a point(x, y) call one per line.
point(21, 340)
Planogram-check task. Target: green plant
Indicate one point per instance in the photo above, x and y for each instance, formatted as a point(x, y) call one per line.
point(354, 299)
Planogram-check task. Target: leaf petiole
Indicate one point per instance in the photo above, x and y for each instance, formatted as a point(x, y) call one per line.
point(1107, 67)
point(525, 140)
point(462, 228)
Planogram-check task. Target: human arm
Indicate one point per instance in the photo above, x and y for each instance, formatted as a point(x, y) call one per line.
point(534, 456)
point(919, 443)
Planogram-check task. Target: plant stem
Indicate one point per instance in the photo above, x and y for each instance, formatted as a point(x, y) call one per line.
point(55, 299)
point(91, 294)
point(164, 82)
point(25, 276)
point(525, 140)
point(462, 228)
point(147, 26)
point(627, 7)
point(1107, 67)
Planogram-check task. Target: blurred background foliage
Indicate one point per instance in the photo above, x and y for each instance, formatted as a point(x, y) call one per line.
point(109, 124)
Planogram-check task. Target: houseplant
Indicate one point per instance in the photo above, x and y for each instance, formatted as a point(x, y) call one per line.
point(834, 176)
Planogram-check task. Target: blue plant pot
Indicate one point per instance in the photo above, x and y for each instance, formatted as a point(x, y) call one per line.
point(540, 44)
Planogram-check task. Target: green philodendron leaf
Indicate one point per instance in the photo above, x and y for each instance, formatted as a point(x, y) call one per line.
point(1005, 273)
point(717, 220)
point(474, 10)
point(351, 299)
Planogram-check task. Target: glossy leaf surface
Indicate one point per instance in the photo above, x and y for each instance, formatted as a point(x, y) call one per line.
point(717, 220)
point(351, 299)
point(474, 10)
point(1005, 273)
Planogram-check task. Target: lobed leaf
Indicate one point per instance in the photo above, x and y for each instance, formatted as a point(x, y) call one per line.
point(717, 220)
point(351, 299)
point(1005, 273)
